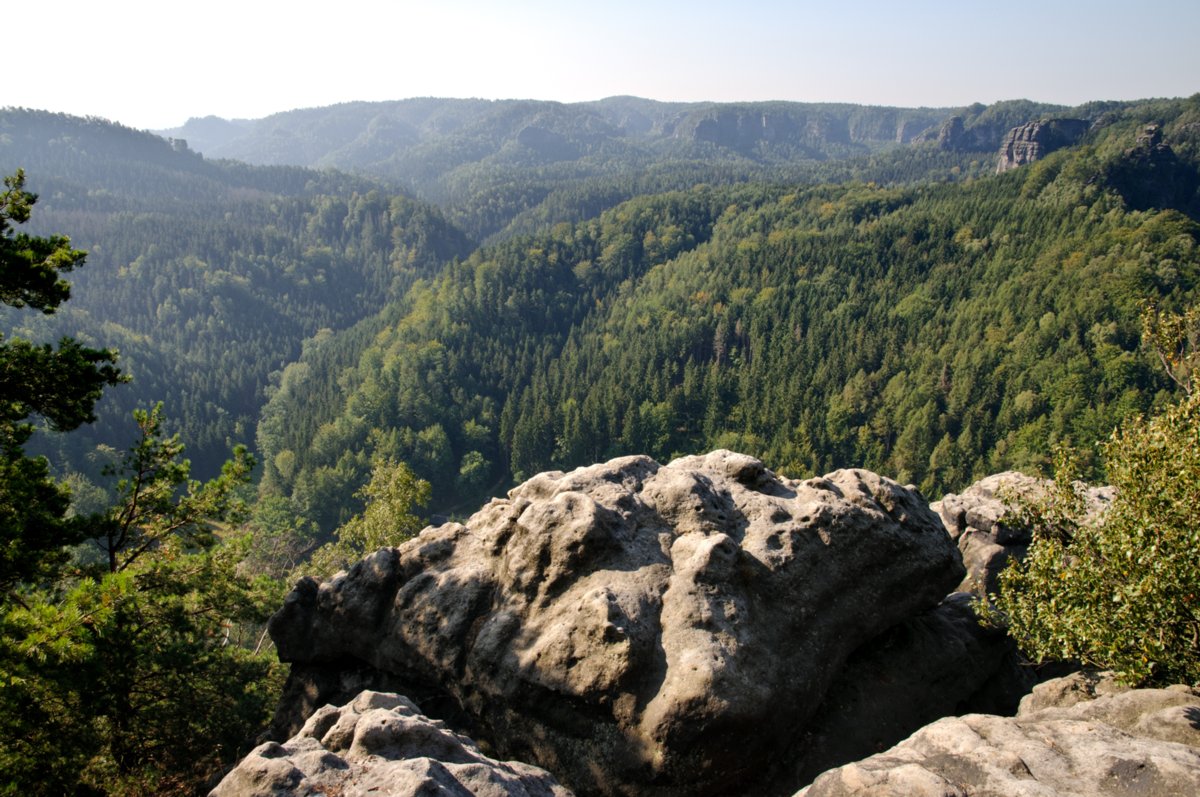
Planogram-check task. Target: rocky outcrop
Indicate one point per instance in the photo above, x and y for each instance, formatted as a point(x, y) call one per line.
point(1033, 140)
point(637, 628)
point(980, 520)
point(1142, 742)
point(380, 744)
point(976, 519)
point(955, 135)
point(745, 128)
point(1151, 175)
point(939, 664)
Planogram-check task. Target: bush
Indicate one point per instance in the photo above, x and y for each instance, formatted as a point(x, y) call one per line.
point(1120, 591)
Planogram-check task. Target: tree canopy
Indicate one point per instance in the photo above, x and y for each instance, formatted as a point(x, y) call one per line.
point(125, 662)
point(1121, 590)
point(60, 385)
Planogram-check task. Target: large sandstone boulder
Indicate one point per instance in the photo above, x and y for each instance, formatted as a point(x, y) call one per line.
point(1143, 742)
point(637, 628)
point(380, 744)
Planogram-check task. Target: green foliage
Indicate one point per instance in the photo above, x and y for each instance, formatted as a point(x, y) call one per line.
point(151, 515)
point(387, 519)
point(206, 275)
point(129, 670)
point(61, 385)
point(1121, 591)
point(936, 333)
point(32, 266)
point(135, 671)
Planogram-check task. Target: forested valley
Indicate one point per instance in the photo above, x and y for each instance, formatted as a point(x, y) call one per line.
point(408, 308)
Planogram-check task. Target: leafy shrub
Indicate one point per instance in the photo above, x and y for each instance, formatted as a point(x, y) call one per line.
point(1120, 591)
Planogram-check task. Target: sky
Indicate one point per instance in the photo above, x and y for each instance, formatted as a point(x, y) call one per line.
point(154, 64)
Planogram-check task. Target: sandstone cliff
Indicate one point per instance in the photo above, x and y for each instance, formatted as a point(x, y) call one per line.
point(1034, 140)
point(1069, 740)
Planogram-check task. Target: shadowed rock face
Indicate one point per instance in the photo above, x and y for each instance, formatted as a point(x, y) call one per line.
point(1035, 140)
point(380, 744)
point(637, 628)
point(1142, 742)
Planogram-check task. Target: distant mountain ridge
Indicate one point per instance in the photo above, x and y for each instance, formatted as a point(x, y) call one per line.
point(348, 135)
point(208, 274)
point(502, 167)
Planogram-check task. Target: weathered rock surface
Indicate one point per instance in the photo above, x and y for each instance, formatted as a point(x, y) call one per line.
point(638, 628)
point(1142, 742)
point(938, 664)
point(974, 520)
point(979, 521)
point(380, 744)
point(954, 135)
point(1034, 140)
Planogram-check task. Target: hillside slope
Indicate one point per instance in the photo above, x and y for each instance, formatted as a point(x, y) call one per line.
point(207, 276)
point(490, 162)
point(934, 333)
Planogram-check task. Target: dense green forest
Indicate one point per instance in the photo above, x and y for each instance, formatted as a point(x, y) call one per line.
point(936, 332)
point(207, 276)
point(902, 308)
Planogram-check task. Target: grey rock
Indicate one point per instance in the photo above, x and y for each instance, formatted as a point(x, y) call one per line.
point(633, 627)
point(938, 664)
point(1034, 140)
point(954, 135)
point(978, 522)
point(1152, 175)
point(1069, 690)
point(380, 744)
point(1133, 742)
point(981, 523)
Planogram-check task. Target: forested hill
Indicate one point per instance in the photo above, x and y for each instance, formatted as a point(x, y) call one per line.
point(914, 313)
point(936, 332)
point(499, 167)
point(85, 163)
point(207, 276)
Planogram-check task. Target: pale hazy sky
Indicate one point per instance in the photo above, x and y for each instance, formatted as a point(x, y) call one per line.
point(154, 63)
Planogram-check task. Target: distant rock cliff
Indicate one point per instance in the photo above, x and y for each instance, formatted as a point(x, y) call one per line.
point(698, 628)
point(1151, 175)
point(1034, 140)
